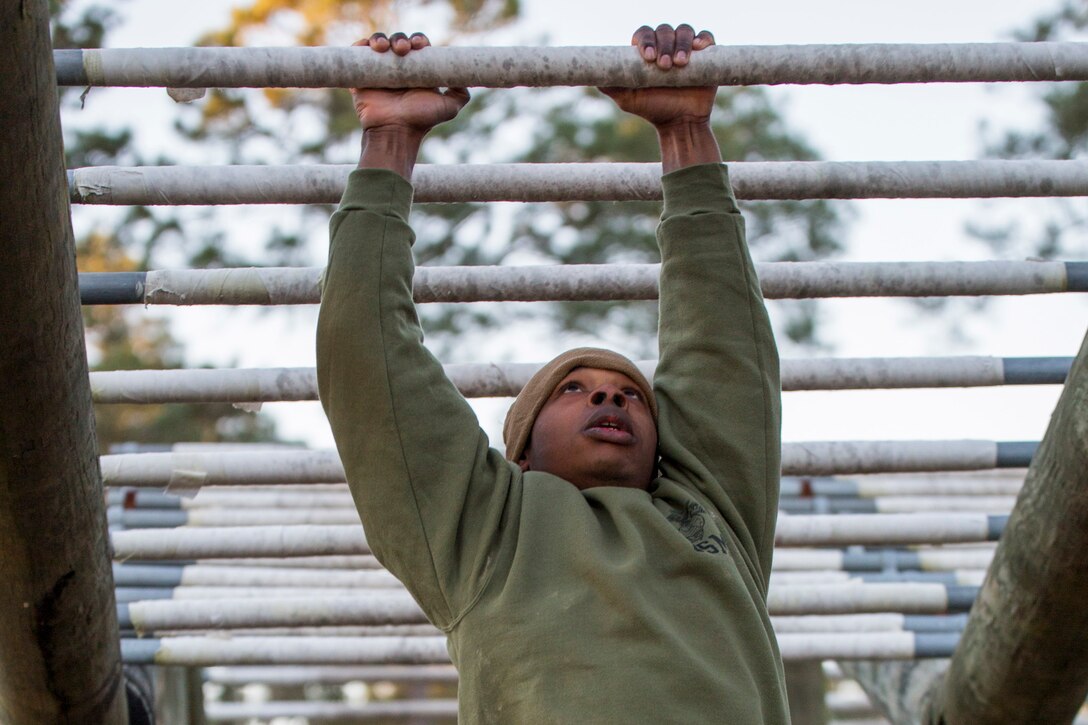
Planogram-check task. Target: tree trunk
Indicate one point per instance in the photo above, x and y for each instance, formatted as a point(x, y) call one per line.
point(1023, 657)
point(59, 655)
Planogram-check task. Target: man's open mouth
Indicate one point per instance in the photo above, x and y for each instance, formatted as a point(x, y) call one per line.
point(610, 428)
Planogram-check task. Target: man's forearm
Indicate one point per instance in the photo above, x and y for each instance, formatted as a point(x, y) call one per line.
point(687, 143)
point(394, 148)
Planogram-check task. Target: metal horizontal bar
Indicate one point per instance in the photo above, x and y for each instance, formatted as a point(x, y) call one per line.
point(191, 471)
point(250, 516)
point(423, 710)
point(857, 598)
point(932, 485)
point(956, 582)
point(753, 180)
point(377, 630)
point(203, 575)
point(317, 563)
point(130, 595)
point(292, 541)
point(1015, 454)
point(264, 573)
point(480, 380)
point(879, 560)
point(890, 490)
point(251, 541)
point(273, 675)
point(205, 651)
point(957, 578)
point(886, 529)
point(212, 650)
point(506, 67)
point(368, 608)
point(894, 504)
point(111, 288)
point(361, 609)
point(545, 283)
point(125, 595)
point(218, 498)
point(141, 519)
point(1031, 370)
point(153, 582)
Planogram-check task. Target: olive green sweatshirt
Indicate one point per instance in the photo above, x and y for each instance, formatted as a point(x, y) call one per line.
point(610, 605)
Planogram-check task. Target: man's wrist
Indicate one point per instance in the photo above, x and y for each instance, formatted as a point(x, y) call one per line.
point(391, 147)
point(687, 142)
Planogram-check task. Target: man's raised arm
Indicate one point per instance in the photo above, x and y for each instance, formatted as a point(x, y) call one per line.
point(429, 490)
point(717, 379)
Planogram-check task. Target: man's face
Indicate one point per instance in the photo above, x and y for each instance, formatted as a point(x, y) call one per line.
point(596, 429)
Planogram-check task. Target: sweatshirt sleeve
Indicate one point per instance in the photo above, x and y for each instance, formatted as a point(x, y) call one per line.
point(717, 379)
point(430, 492)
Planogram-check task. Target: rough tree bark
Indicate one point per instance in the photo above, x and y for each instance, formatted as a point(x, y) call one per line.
point(59, 656)
point(1023, 656)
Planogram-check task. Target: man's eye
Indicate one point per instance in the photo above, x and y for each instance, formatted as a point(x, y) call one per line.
point(572, 387)
point(633, 394)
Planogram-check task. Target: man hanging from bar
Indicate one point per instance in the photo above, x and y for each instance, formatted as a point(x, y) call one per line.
point(613, 565)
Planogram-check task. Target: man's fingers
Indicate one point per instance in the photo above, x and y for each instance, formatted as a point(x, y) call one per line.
point(646, 41)
point(400, 44)
point(666, 45)
point(378, 42)
point(685, 36)
point(704, 39)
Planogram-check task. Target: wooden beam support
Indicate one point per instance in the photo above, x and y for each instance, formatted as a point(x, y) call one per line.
point(59, 654)
point(1022, 658)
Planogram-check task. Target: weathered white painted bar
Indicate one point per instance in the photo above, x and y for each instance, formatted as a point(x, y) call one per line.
point(430, 711)
point(304, 675)
point(193, 470)
point(289, 541)
point(372, 608)
point(506, 67)
point(204, 651)
point(478, 380)
point(587, 282)
point(751, 180)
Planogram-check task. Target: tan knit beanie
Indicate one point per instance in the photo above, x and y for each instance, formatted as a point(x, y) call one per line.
point(523, 413)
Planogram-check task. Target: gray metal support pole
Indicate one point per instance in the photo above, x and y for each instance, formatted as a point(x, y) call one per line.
point(182, 698)
point(1022, 658)
point(59, 655)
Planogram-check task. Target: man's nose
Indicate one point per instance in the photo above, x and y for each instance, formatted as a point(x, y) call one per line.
point(608, 393)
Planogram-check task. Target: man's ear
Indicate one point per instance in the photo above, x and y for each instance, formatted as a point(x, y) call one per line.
point(523, 461)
